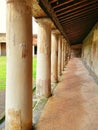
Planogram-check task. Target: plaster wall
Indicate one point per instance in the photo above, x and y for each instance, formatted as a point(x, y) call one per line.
point(75, 52)
point(90, 50)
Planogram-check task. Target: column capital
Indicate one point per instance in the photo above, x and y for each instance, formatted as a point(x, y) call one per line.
point(28, 2)
point(62, 37)
point(44, 21)
point(21, 7)
point(55, 31)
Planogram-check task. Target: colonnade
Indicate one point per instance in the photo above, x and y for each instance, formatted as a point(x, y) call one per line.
point(50, 62)
point(52, 56)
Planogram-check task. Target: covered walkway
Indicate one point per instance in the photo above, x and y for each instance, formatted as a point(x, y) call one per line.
point(74, 104)
point(65, 29)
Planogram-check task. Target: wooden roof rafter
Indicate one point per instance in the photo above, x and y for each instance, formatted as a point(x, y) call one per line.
point(78, 7)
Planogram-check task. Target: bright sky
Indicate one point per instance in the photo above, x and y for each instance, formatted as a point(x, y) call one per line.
point(35, 27)
point(2, 16)
point(3, 19)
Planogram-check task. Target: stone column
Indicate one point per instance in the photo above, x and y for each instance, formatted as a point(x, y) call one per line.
point(43, 80)
point(68, 52)
point(59, 55)
point(19, 66)
point(65, 52)
point(62, 54)
point(54, 56)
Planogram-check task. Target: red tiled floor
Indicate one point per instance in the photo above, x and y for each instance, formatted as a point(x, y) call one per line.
point(74, 104)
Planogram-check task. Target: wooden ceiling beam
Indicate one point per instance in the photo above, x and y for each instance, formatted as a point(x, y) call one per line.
point(75, 36)
point(78, 7)
point(77, 21)
point(82, 14)
point(50, 12)
point(70, 6)
point(59, 5)
point(75, 30)
point(53, 1)
point(79, 17)
point(75, 33)
point(88, 8)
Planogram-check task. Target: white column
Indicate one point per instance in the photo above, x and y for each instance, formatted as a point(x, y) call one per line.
point(65, 52)
point(54, 57)
point(59, 55)
point(43, 81)
point(19, 66)
point(62, 54)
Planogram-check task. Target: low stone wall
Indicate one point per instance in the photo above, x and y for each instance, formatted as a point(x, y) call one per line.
point(90, 50)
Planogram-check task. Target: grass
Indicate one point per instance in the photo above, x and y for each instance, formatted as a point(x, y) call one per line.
point(3, 71)
point(34, 67)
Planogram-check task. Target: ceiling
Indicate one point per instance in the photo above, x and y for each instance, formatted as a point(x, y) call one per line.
point(74, 18)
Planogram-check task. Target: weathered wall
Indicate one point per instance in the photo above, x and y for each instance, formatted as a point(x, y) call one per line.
point(90, 50)
point(76, 50)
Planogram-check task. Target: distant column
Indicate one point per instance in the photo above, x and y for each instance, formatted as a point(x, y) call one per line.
point(68, 47)
point(43, 80)
point(54, 56)
point(62, 54)
point(59, 55)
point(65, 52)
point(69, 52)
point(19, 66)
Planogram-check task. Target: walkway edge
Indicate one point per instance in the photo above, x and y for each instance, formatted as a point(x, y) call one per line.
point(2, 118)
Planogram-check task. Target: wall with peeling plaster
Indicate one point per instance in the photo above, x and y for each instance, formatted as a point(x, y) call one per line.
point(75, 52)
point(90, 50)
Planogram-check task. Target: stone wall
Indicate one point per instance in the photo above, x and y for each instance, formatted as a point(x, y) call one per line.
point(90, 50)
point(76, 50)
